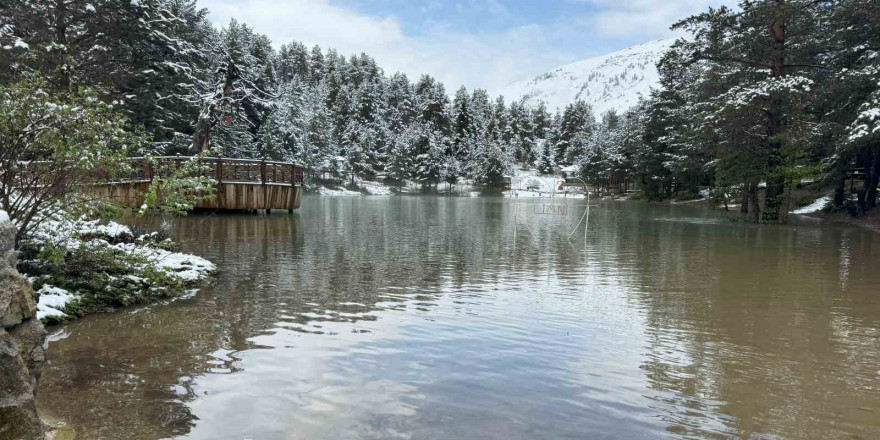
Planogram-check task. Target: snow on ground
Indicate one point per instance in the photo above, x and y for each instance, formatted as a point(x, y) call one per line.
point(4, 217)
point(816, 206)
point(526, 183)
point(542, 194)
point(376, 188)
point(184, 266)
point(52, 302)
point(324, 191)
point(139, 255)
point(113, 229)
point(66, 232)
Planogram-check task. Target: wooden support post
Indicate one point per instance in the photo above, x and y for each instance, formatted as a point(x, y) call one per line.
point(149, 170)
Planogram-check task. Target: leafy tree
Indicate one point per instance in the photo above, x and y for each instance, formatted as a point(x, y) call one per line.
point(51, 145)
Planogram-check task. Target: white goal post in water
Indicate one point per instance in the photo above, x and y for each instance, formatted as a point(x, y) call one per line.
point(557, 209)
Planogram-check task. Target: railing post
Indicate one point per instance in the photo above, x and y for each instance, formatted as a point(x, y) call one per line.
point(219, 170)
point(149, 170)
point(263, 171)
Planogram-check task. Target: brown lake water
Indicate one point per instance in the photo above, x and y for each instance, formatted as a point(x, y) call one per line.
point(475, 318)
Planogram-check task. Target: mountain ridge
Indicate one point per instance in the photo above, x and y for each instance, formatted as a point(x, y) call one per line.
point(612, 81)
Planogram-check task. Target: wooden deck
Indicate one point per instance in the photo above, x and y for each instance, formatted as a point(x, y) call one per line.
point(241, 184)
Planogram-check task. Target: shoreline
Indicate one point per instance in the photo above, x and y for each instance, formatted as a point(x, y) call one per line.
point(870, 221)
point(81, 267)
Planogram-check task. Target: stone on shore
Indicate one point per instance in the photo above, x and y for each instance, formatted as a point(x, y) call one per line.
point(22, 346)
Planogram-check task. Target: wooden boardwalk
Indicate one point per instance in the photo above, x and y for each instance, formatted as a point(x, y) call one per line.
point(242, 184)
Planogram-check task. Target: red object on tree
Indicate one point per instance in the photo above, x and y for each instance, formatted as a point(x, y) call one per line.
point(228, 120)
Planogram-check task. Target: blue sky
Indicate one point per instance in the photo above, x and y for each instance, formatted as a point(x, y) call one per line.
point(476, 43)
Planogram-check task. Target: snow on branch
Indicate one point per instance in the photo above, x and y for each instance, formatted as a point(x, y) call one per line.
point(868, 120)
point(746, 95)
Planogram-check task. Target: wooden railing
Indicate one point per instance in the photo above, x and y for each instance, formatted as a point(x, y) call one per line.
point(224, 170)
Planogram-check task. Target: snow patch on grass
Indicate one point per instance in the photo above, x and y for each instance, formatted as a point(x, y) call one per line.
point(184, 266)
point(52, 302)
point(376, 188)
point(113, 229)
point(816, 206)
point(4, 217)
point(82, 266)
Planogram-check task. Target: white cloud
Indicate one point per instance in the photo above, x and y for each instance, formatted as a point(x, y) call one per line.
point(641, 19)
point(476, 58)
point(488, 60)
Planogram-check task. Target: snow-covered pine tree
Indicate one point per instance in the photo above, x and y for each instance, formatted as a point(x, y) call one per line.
point(401, 103)
point(238, 99)
point(355, 142)
point(541, 121)
point(756, 69)
point(401, 165)
point(433, 105)
point(430, 148)
point(319, 150)
point(499, 124)
point(463, 123)
point(371, 113)
point(283, 134)
point(434, 143)
point(522, 132)
point(142, 56)
point(492, 162)
point(545, 163)
point(316, 66)
point(848, 107)
point(576, 119)
point(481, 107)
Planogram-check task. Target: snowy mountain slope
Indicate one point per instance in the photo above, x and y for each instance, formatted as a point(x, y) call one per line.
point(612, 81)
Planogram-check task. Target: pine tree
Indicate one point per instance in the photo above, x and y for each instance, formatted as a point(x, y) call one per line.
point(522, 137)
point(541, 121)
point(238, 99)
point(282, 136)
point(401, 164)
point(316, 66)
point(319, 151)
point(142, 56)
point(401, 103)
point(463, 124)
point(545, 164)
point(492, 162)
point(759, 63)
point(576, 119)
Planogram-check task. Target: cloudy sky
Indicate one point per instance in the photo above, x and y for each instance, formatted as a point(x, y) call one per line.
point(478, 43)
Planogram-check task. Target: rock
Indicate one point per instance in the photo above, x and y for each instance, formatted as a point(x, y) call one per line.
point(8, 232)
point(22, 347)
point(20, 422)
point(18, 411)
point(16, 297)
point(31, 339)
